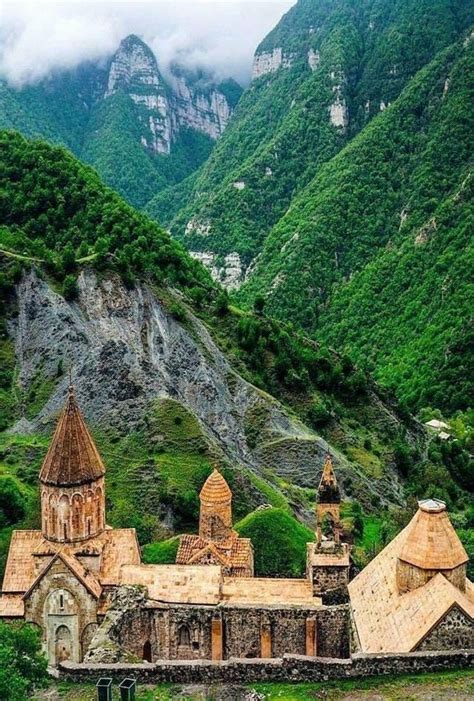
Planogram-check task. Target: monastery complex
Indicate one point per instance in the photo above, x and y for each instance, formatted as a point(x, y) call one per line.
point(83, 584)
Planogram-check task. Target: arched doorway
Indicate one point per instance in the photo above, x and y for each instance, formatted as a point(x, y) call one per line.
point(184, 651)
point(63, 644)
point(147, 651)
point(61, 625)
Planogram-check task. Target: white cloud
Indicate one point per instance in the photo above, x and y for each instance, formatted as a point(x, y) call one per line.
point(39, 37)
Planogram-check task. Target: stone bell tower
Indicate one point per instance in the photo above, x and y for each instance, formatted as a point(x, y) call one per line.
point(327, 560)
point(328, 503)
point(72, 481)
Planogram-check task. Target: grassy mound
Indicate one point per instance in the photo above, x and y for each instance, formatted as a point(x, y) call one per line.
point(162, 553)
point(279, 542)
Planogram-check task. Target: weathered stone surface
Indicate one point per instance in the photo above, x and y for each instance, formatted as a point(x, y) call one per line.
point(126, 350)
point(135, 627)
point(105, 644)
point(290, 667)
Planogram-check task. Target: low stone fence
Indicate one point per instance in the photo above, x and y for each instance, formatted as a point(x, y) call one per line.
point(295, 668)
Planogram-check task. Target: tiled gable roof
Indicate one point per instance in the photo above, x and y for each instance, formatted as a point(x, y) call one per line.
point(234, 552)
point(84, 576)
point(387, 621)
point(115, 547)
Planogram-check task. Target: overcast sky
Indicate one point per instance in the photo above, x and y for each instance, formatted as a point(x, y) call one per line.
point(38, 37)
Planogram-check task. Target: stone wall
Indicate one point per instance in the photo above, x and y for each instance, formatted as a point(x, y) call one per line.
point(291, 667)
point(185, 632)
point(455, 632)
point(327, 577)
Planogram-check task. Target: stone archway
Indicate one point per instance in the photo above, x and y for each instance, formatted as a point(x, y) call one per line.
point(62, 644)
point(147, 656)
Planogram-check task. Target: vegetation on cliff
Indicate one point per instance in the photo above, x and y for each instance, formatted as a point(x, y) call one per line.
point(390, 219)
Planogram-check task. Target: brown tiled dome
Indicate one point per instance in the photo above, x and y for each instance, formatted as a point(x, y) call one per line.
point(431, 542)
point(215, 489)
point(72, 457)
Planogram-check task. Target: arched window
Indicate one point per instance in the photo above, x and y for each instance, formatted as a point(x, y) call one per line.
point(77, 515)
point(184, 636)
point(98, 506)
point(64, 512)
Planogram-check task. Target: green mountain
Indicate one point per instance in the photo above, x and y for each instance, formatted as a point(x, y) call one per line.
point(140, 131)
point(374, 255)
point(319, 78)
point(172, 377)
point(341, 190)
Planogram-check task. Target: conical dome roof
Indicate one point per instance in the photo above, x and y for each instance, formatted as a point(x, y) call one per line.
point(215, 489)
point(431, 542)
point(72, 457)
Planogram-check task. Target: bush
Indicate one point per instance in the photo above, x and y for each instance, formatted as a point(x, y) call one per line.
point(259, 304)
point(22, 664)
point(70, 289)
point(12, 502)
point(177, 311)
point(319, 415)
point(221, 306)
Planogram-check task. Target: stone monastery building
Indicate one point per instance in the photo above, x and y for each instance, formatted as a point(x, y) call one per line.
point(82, 583)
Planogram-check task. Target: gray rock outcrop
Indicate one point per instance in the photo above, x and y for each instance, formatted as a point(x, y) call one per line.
point(126, 350)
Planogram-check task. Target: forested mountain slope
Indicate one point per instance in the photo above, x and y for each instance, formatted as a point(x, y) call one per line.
point(139, 130)
point(375, 255)
point(170, 376)
point(320, 76)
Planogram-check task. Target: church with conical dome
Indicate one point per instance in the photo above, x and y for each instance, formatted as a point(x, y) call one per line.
point(83, 585)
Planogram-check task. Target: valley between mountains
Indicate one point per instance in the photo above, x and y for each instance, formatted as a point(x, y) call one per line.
point(250, 277)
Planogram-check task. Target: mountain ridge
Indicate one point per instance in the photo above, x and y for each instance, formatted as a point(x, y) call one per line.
point(140, 131)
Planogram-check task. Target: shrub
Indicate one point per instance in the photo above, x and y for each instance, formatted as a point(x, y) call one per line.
point(22, 664)
point(70, 289)
point(12, 502)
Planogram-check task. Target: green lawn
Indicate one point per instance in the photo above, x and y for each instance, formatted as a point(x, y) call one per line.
point(443, 686)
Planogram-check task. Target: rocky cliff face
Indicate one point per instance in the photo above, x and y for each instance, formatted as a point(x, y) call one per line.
point(126, 351)
point(205, 110)
point(134, 70)
point(165, 108)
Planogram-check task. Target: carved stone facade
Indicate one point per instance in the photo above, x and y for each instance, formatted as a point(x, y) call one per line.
point(70, 514)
